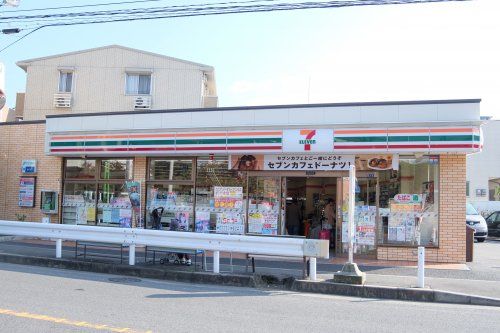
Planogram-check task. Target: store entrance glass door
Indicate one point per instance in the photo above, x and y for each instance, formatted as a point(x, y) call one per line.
point(366, 217)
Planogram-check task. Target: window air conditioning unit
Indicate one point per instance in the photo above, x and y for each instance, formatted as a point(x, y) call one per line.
point(142, 103)
point(62, 100)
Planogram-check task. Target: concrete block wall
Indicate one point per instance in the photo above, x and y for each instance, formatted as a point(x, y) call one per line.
point(24, 142)
point(451, 249)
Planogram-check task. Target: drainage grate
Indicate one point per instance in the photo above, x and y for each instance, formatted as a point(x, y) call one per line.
point(124, 280)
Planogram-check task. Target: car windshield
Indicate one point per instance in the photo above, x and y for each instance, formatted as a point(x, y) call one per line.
point(471, 210)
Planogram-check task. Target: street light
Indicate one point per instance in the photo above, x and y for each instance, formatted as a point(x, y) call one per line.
point(11, 31)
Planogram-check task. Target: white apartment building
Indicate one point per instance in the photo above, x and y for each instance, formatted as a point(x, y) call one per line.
point(483, 168)
point(111, 79)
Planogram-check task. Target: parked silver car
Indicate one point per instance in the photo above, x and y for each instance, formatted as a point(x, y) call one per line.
point(476, 221)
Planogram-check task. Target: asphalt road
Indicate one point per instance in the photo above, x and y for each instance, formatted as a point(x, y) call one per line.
point(35, 299)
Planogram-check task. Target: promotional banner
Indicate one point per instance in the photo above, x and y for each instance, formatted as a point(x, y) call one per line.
point(377, 162)
point(291, 162)
point(27, 191)
point(325, 162)
point(228, 197)
point(229, 223)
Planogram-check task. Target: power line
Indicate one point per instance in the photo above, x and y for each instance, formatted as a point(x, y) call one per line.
point(91, 5)
point(191, 11)
point(19, 39)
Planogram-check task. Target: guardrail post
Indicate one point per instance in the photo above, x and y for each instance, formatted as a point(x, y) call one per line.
point(421, 267)
point(59, 248)
point(216, 262)
point(131, 254)
point(312, 269)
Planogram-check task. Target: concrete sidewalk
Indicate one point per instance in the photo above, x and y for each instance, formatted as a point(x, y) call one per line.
point(458, 279)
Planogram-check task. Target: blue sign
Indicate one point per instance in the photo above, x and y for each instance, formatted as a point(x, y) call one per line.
point(28, 166)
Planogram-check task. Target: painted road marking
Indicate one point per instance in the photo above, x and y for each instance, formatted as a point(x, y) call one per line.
point(69, 322)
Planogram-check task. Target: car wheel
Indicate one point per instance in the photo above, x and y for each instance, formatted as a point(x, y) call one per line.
point(480, 240)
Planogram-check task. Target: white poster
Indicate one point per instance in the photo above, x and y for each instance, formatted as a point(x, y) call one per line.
point(229, 223)
point(324, 162)
point(308, 140)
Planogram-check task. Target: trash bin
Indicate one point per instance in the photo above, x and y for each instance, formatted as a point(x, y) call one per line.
point(469, 244)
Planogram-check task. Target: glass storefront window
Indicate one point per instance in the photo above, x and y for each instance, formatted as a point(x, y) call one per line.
point(78, 206)
point(175, 204)
point(264, 197)
point(220, 197)
point(170, 169)
point(113, 206)
point(116, 169)
point(80, 169)
point(409, 205)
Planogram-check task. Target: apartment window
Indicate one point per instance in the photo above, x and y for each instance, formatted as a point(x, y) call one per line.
point(138, 84)
point(65, 81)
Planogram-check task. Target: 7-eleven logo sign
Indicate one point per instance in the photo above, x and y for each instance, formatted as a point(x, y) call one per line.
point(308, 139)
point(318, 140)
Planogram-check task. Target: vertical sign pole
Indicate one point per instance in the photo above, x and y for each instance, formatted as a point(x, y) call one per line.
point(58, 248)
point(352, 192)
point(421, 267)
point(131, 254)
point(216, 262)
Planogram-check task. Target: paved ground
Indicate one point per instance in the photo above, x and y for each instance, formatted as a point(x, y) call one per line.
point(482, 277)
point(36, 299)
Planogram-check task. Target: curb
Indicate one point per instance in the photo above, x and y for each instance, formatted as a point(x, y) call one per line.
point(403, 294)
point(143, 272)
point(258, 281)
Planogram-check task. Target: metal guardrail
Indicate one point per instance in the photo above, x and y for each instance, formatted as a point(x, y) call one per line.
point(265, 245)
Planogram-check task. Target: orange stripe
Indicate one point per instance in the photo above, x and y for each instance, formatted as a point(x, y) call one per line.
point(447, 130)
point(367, 131)
point(254, 133)
point(195, 135)
point(423, 130)
point(152, 135)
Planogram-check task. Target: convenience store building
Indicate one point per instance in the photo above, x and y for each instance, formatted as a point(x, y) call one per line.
point(235, 170)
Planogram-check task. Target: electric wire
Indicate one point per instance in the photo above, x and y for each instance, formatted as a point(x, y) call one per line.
point(192, 10)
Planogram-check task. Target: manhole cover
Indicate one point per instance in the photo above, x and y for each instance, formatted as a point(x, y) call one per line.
point(124, 280)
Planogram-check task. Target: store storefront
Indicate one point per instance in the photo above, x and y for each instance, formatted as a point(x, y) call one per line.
point(273, 171)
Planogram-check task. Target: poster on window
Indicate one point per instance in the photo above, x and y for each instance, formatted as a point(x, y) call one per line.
point(229, 223)
point(270, 226)
point(180, 222)
point(255, 222)
point(228, 197)
point(134, 195)
point(202, 223)
point(365, 225)
point(27, 191)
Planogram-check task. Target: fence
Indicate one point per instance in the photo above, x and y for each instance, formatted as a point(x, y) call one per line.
point(274, 246)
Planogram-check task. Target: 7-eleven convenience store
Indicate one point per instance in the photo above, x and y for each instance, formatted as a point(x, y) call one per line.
point(269, 170)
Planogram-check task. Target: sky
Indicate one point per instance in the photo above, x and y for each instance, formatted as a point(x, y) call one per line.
point(357, 54)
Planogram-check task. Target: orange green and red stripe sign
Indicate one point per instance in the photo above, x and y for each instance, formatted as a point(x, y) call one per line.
point(180, 142)
point(421, 139)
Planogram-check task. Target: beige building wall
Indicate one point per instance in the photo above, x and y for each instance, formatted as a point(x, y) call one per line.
point(452, 200)
point(99, 81)
point(24, 141)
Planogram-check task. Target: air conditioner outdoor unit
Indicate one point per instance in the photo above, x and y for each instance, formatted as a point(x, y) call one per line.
point(62, 100)
point(142, 103)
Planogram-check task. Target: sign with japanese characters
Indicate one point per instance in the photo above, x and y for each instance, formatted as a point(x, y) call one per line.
point(403, 198)
point(308, 140)
point(27, 191)
point(326, 162)
point(228, 197)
